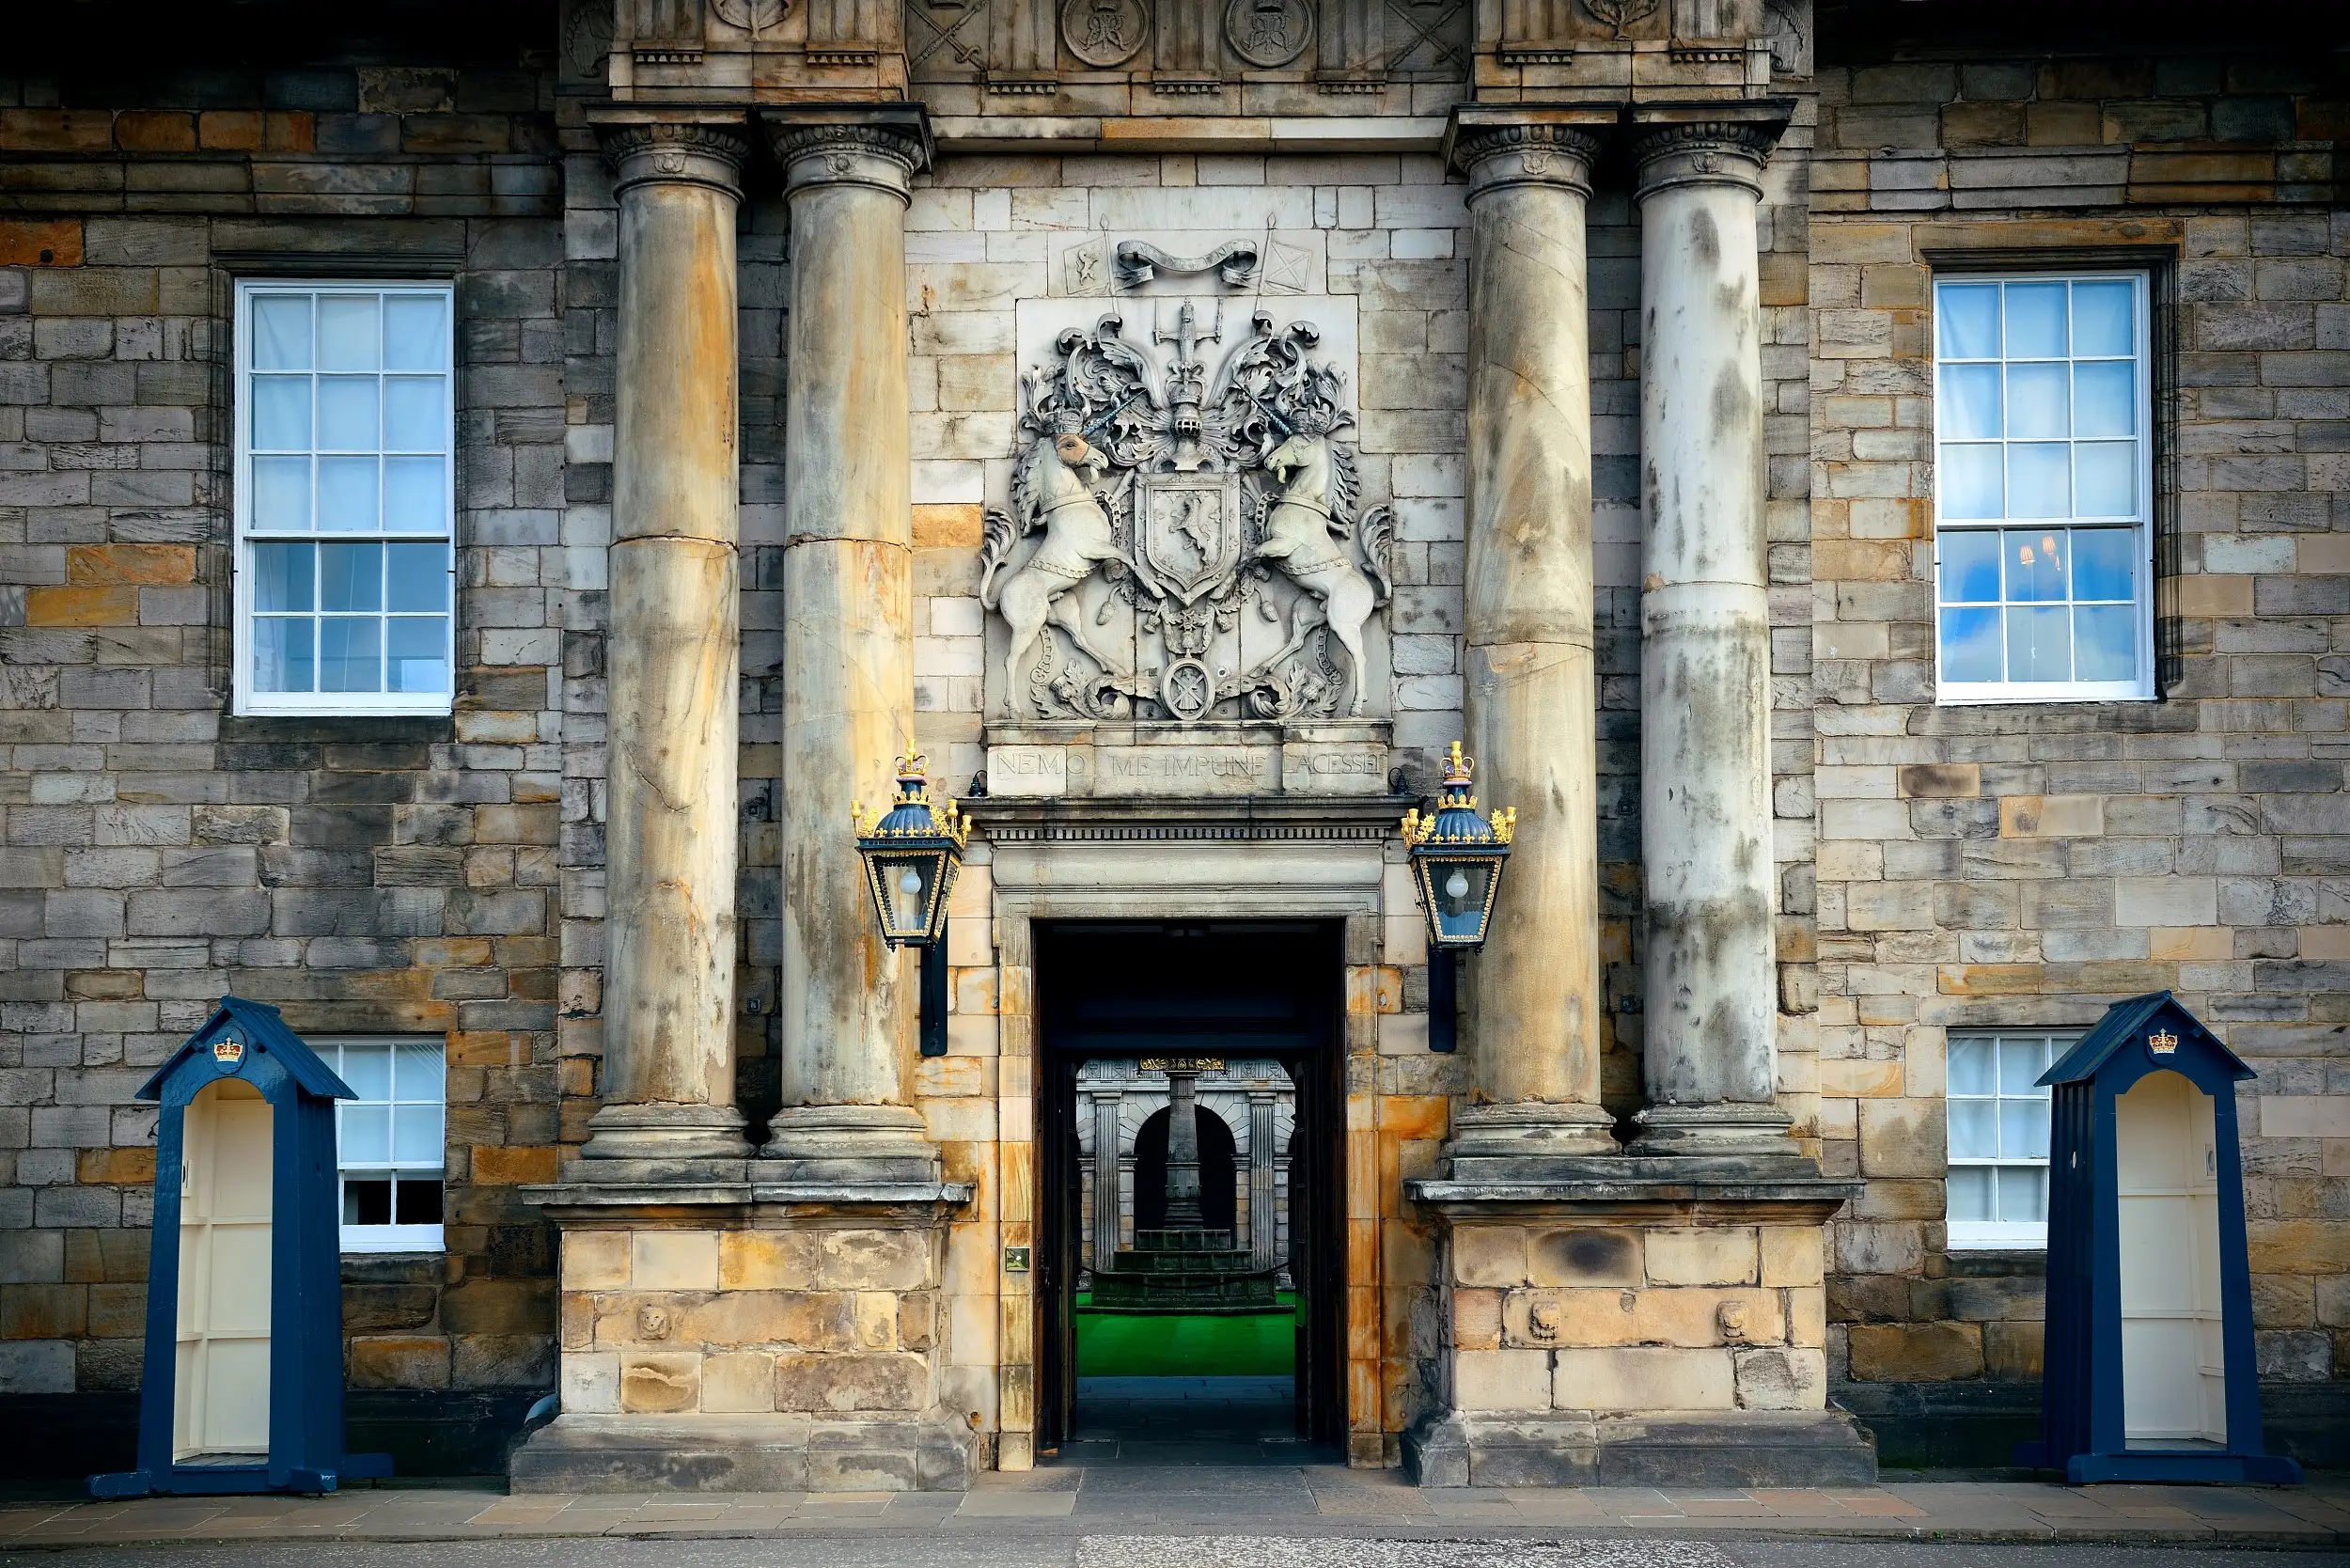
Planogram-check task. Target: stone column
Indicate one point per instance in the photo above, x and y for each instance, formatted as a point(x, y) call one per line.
point(848, 664)
point(672, 651)
point(1182, 1151)
point(1532, 994)
point(1106, 1117)
point(1705, 649)
point(1263, 1240)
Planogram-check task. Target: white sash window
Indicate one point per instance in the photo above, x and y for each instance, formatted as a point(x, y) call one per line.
point(389, 1141)
point(345, 497)
point(2044, 550)
point(1998, 1149)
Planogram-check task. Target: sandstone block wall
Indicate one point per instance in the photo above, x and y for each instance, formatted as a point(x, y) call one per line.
point(2020, 866)
point(1940, 868)
point(368, 876)
point(834, 1321)
point(1635, 1317)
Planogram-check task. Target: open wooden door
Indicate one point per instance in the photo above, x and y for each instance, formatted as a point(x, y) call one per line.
point(226, 1273)
point(2174, 1362)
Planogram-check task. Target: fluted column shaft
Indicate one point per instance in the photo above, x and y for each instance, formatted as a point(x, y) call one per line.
point(1533, 998)
point(1705, 650)
point(848, 664)
point(1264, 1221)
point(1106, 1108)
point(672, 651)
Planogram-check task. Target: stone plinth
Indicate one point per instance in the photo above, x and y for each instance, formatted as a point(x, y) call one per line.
point(1630, 1326)
point(750, 1335)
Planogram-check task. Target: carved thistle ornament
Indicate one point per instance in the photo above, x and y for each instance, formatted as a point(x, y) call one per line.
point(1177, 490)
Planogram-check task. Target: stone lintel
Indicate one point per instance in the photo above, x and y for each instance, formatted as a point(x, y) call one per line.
point(1771, 112)
point(728, 116)
point(1158, 134)
point(1247, 817)
point(1740, 1447)
point(1638, 1196)
point(740, 1202)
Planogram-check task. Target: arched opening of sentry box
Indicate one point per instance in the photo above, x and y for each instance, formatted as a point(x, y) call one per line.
point(1189, 1283)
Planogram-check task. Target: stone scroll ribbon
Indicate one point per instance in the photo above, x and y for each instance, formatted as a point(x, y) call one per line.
point(1139, 261)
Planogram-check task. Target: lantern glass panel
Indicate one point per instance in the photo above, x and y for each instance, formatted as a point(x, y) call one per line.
point(905, 885)
point(1458, 894)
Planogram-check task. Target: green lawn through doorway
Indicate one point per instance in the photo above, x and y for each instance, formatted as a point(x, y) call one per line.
point(1263, 1344)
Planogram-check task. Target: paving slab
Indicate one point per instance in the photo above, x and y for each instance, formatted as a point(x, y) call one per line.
point(1200, 1502)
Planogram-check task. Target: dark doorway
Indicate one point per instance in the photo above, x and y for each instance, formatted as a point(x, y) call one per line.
point(1250, 1365)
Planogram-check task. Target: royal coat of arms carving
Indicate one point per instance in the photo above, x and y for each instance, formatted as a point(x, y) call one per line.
point(1178, 480)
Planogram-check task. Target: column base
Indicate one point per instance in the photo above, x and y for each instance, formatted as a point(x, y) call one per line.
point(851, 1144)
point(664, 1131)
point(1529, 1140)
point(1699, 1448)
point(1721, 1128)
point(1638, 1321)
point(931, 1452)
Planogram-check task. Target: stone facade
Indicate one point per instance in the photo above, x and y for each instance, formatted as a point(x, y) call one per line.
point(1931, 868)
point(1981, 867)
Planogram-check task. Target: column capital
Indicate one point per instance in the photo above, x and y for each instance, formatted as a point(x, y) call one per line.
point(1704, 149)
point(881, 145)
point(674, 146)
point(1499, 146)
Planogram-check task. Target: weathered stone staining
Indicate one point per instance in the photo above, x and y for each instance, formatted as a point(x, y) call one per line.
point(596, 854)
point(774, 1324)
point(1610, 1317)
point(674, 647)
point(1531, 695)
point(848, 674)
point(1709, 1050)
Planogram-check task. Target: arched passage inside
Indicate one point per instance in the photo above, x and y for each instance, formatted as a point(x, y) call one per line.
point(1218, 1192)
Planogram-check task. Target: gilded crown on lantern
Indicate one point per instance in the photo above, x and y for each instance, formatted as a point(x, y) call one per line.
point(913, 814)
point(1455, 820)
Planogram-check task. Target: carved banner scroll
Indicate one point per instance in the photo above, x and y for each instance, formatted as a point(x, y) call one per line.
point(1234, 262)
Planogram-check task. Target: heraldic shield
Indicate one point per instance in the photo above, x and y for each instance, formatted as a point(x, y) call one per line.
point(1189, 529)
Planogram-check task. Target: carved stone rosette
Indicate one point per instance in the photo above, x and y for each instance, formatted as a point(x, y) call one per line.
point(1703, 152)
point(675, 151)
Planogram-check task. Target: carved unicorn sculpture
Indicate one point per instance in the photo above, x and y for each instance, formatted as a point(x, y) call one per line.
point(1307, 536)
point(1051, 490)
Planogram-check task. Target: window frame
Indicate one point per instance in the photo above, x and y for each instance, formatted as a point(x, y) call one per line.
point(2146, 687)
point(1995, 1235)
point(375, 1239)
point(245, 700)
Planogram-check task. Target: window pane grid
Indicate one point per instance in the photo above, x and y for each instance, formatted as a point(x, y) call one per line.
point(1998, 1137)
point(390, 1142)
point(347, 427)
point(2041, 422)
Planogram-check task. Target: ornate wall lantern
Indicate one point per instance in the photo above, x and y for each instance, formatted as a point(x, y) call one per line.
point(911, 856)
point(1457, 857)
